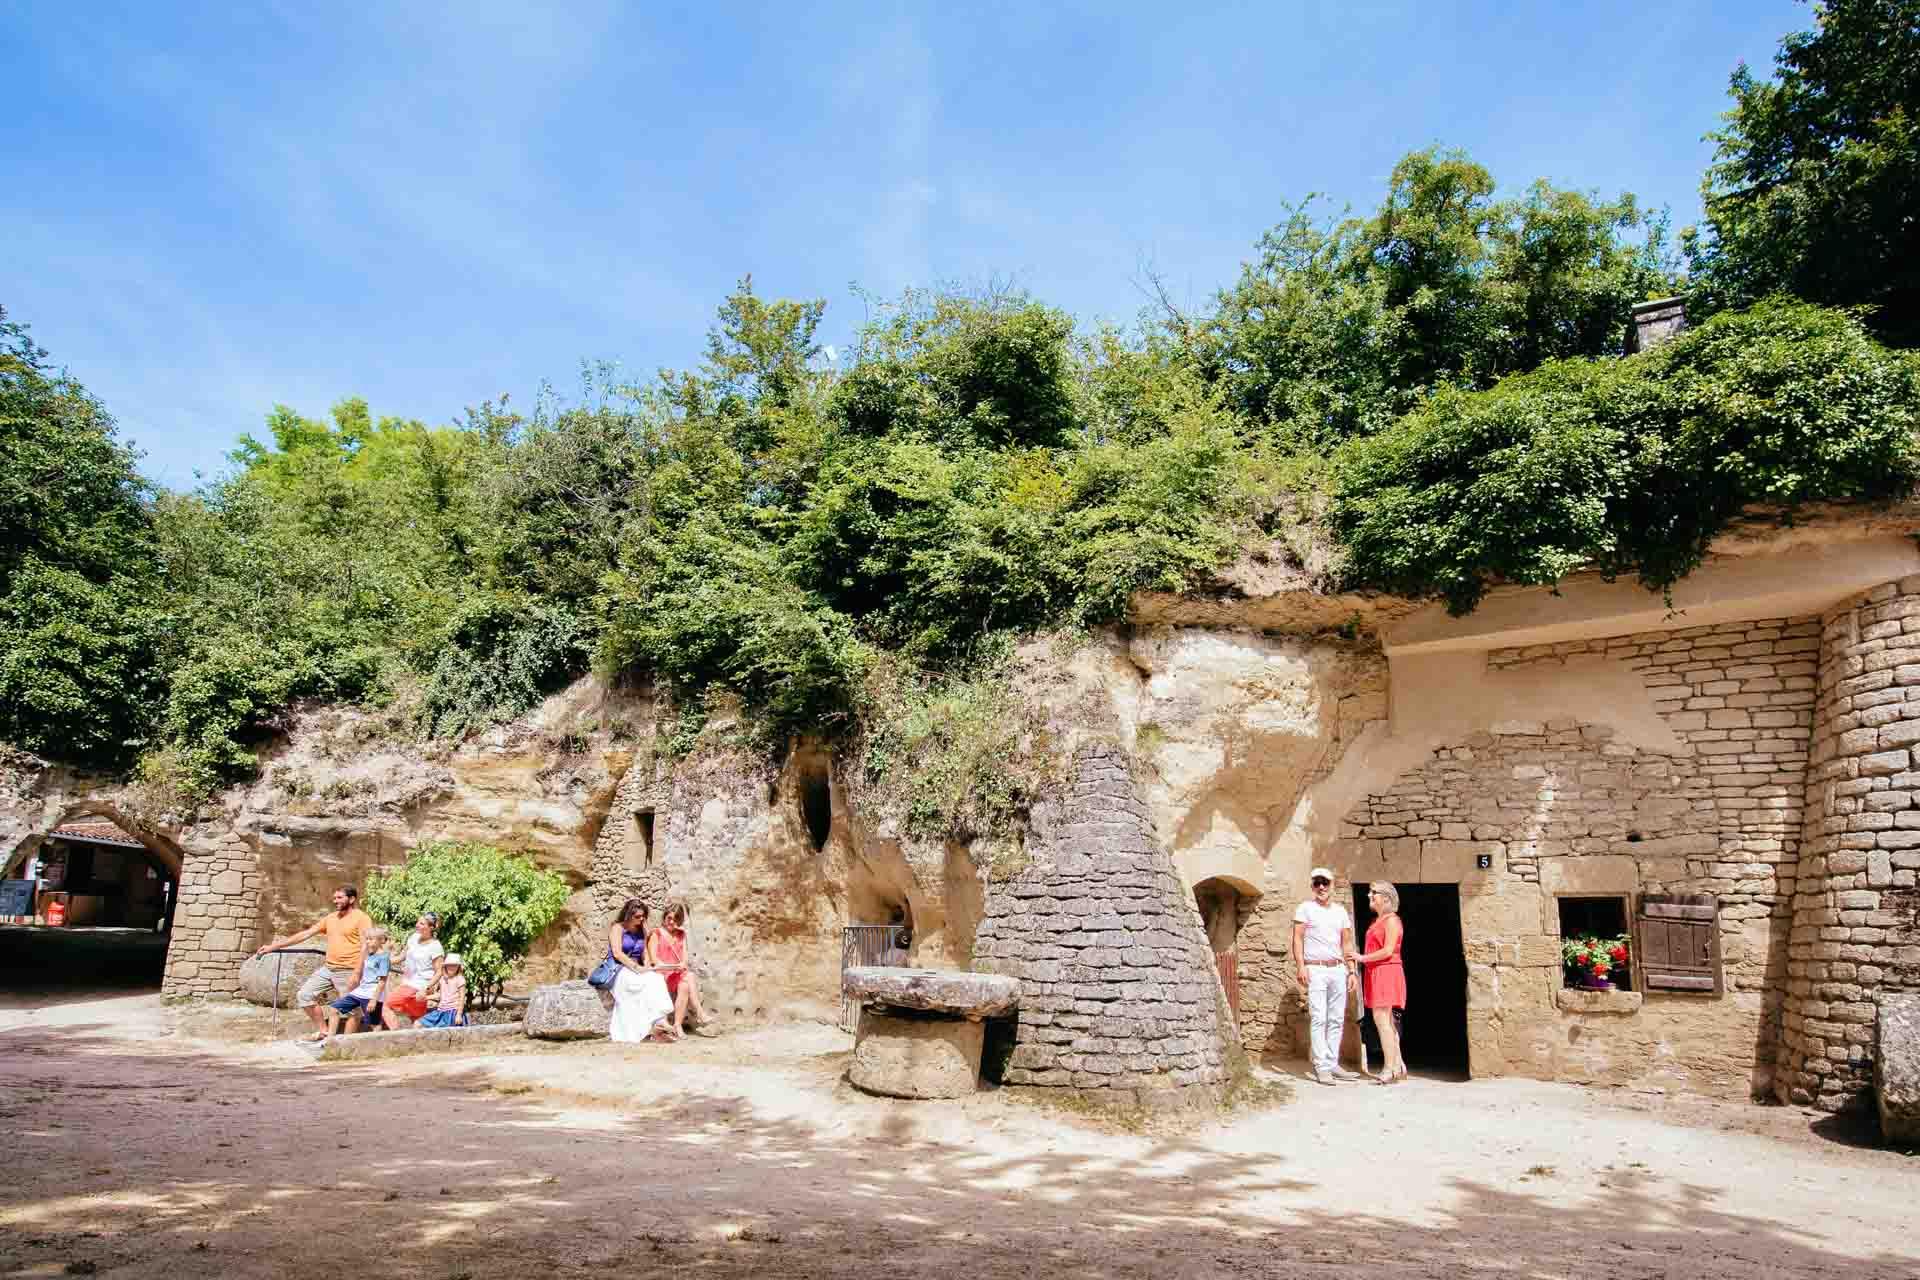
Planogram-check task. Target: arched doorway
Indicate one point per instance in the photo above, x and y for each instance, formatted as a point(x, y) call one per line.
point(1226, 904)
point(87, 903)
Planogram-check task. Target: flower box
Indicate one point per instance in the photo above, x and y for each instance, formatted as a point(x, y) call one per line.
point(1593, 963)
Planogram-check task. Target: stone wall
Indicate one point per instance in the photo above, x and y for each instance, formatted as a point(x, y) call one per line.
point(1855, 936)
point(215, 925)
point(1117, 987)
point(1563, 808)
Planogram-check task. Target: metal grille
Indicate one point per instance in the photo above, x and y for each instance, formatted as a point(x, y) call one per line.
point(869, 944)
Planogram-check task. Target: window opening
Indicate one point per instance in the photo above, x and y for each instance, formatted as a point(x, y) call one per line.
point(1604, 922)
point(643, 823)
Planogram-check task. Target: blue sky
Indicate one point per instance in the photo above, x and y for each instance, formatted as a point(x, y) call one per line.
point(205, 211)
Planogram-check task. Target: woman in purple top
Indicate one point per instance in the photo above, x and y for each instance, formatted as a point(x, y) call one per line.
point(641, 1006)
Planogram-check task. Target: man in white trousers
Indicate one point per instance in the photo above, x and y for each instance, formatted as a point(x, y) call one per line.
point(1323, 958)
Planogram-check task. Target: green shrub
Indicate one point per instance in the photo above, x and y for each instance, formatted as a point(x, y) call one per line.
point(492, 905)
point(1630, 466)
point(503, 653)
point(950, 756)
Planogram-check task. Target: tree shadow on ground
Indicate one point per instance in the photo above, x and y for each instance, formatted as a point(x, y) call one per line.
point(180, 1163)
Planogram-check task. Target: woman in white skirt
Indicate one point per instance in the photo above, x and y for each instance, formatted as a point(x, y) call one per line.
point(642, 1009)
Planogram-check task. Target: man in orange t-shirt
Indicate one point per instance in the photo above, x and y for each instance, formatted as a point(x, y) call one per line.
point(346, 927)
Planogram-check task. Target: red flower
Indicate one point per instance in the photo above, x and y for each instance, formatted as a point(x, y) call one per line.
point(1583, 959)
point(1619, 954)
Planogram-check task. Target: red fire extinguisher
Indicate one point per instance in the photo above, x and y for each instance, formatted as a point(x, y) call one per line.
point(57, 911)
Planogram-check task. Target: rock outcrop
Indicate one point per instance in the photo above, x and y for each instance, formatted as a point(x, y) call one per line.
point(275, 978)
point(1896, 1069)
point(569, 1011)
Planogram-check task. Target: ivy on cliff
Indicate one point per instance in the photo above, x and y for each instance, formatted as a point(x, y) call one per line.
point(1631, 466)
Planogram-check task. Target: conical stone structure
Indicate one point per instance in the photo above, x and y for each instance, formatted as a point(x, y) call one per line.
point(1118, 992)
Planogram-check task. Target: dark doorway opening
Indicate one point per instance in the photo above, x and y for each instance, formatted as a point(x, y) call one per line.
point(643, 826)
point(816, 803)
point(1434, 1038)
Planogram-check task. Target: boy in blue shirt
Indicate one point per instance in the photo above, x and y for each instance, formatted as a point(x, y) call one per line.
point(363, 1002)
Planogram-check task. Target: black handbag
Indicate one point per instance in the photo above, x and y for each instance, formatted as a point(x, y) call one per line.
point(601, 979)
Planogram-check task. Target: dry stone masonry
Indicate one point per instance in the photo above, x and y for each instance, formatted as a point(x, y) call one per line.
point(1565, 808)
point(1118, 993)
point(218, 921)
point(1854, 936)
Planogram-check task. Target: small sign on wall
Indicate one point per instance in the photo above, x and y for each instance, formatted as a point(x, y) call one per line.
point(16, 897)
point(1484, 861)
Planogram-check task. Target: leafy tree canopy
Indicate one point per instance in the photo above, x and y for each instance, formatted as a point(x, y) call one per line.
point(1813, 187)
point(1631, 466)
point(78, 635)
point(1337, 327)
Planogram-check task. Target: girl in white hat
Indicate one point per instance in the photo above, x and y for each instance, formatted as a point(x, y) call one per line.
point(452, 1009)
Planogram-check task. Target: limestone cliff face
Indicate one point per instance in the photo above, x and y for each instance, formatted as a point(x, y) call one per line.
point(1222, 728)
point(1228, 727)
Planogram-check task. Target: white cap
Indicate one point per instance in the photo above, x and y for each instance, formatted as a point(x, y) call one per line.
point(453, 961)
point(1317, 873)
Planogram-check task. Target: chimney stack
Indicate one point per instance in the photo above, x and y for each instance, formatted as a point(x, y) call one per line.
point(1654, 322)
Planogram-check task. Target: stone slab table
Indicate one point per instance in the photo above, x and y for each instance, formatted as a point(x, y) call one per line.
point(922, 1030)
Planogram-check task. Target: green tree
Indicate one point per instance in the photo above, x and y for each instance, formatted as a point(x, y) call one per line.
point(1336, 328)
point(1815, 185)
point(492, 905)
point(78, 629)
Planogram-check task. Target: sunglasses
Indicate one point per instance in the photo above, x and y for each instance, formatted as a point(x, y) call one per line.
point(1318, 881)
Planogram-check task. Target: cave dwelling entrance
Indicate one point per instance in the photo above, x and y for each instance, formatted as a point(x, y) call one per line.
point(1434, 1038)
point(86, 903)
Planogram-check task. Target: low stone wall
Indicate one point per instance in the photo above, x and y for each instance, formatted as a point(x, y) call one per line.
point(368, 1046)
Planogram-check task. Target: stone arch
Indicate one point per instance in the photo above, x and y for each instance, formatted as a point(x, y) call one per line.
point(1226, 907)
point(1241, 868)
point(121, 882)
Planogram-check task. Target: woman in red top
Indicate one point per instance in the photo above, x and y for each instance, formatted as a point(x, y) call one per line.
point(1385, 991)
point(667, 949)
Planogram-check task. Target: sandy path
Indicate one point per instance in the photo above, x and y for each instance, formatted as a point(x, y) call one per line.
point(167, 1155)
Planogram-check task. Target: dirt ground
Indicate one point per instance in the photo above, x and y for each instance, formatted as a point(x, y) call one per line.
point(146, 1141)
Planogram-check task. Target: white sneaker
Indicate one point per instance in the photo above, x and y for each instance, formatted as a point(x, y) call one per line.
point(1322, 1077)
point(1341, 1073)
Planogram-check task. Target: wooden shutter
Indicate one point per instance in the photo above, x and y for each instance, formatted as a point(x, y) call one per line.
point(1677, 942)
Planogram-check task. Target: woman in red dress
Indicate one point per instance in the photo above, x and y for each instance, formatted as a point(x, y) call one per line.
point(667, 949)
point(1385, 991)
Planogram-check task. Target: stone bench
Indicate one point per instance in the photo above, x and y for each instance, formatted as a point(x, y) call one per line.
point(922, 1030)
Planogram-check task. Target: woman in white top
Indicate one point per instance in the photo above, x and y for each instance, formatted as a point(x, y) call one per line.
point(420, 962)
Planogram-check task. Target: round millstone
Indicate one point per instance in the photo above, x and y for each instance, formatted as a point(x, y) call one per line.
point(916, 1057)
point(953, 992)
